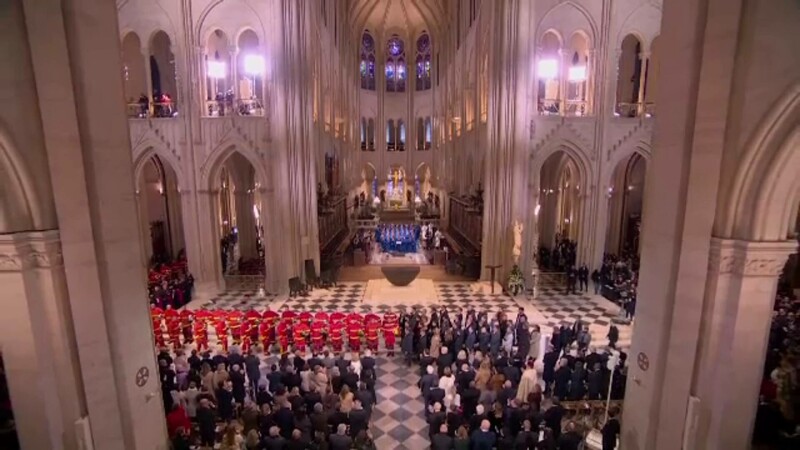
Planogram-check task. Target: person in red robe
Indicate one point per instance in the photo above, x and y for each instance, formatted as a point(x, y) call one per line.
point(390, 325)
point(235, 319)
point(301, 332)
point(201, 330)
point(173, 319)
point(253, 320)
point(317, 335)
point(157, 315)
point(282, 333)
point(221, 328)
point(336, 338)
point(372, 335)
point(354, 336)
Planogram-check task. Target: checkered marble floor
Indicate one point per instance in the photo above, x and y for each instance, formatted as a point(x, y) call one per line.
point(555, 308)
point(398, 419)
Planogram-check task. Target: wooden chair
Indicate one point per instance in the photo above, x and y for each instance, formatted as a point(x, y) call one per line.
point(296, 287)
point(312, 279)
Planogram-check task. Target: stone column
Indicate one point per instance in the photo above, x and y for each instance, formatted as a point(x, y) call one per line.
point(295, 171)
point(144, 228)
point(742, 282)
point(679, 211)
point(233, 57)
point(39, 348)
point(246, 224)
point(175, 215)
point(645, 56)
point(505, 166)
point(88, 149)
point(209, 279)
point(148, 78)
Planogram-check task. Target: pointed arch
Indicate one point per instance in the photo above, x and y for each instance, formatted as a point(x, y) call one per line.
point(147, 151)
point(19, 192)
point(765, 188)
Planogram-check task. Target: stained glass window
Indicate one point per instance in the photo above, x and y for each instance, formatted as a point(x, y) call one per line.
point(395, 65)
point(423, 62)
point(367, 66)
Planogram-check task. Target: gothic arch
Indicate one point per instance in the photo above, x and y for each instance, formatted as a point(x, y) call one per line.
point(166, 157)
point(209, 172)
point(563, 13)
point(641, 147)
point(20, 196)
point(644, 22)
point(582, 161)
point(765, 188)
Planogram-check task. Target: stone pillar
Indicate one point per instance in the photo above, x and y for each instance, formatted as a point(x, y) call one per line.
point(246, 224)
point(506, 166)
point(148, 78)
point(645, 56)
point(175, 216)
point(295, 170)
point(700, 48)
point(38, 344)
point(144, 228)
point(210, 279)
point(233, 57)
point(742, 282)
point(88, 149)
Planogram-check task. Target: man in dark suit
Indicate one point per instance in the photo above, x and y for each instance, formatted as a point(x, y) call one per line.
point(350, 379)
point(482, 438)
point(441, 440)
point(549, 360)
point(469, 399)
point(367, 361)
point(359, 418)
point(552, 418)
point(340, 440)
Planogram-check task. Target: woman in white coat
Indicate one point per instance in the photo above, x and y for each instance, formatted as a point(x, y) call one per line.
point(448, 383)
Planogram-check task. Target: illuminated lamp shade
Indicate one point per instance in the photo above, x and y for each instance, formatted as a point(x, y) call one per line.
point(216, 69)
point(577, 74)
point(254, 64)
point(548, 69)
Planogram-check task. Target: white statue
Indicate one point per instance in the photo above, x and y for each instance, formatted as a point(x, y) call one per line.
point(517, 250)
point(426, 182)
point(437, 239)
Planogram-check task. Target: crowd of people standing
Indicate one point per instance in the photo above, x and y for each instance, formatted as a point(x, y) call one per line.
point(480, 380)
point(170, 284)
point(777, 421)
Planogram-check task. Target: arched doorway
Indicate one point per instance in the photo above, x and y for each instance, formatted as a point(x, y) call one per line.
point(578, 76)
point(547, 72)
point(629, 78)
point(625, 201)
point(560, 181)
point(251, 67)
point(160, 212)
point(163, 76)
point(219, 82)
point(239, 219)
point(134, 76)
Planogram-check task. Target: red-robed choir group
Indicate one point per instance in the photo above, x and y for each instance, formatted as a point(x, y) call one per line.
point(287, 328)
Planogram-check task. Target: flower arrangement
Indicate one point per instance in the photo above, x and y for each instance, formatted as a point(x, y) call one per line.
point(516, 282)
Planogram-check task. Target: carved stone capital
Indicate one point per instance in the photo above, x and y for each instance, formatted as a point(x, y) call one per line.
point(748, 258)
point(30, 250)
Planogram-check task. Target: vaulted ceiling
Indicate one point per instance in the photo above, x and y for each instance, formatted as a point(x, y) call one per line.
point(404, 16)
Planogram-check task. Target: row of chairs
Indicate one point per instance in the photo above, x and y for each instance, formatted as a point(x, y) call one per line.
point(327, 278)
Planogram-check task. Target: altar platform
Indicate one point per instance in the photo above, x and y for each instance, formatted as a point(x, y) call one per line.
point(381, 292)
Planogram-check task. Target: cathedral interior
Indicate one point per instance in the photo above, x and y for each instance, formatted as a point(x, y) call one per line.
point(240, 172)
